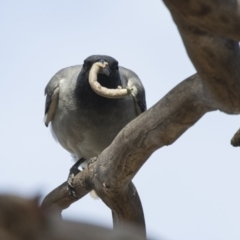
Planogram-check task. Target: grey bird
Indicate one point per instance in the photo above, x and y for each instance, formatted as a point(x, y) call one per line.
point(83, 122)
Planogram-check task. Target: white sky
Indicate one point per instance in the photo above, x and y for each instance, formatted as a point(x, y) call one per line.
point(189, 190)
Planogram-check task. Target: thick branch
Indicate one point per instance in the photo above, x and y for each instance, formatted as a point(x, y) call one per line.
point(216, 58)
point(220, 18)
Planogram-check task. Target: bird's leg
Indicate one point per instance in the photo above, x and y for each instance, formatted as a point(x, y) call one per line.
point(72, 173)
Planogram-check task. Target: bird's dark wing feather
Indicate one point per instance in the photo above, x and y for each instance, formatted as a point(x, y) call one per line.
point(142, 105)
point(52, 93)
point(47, 103)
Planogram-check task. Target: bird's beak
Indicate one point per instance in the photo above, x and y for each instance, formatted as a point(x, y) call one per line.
point(105, 70)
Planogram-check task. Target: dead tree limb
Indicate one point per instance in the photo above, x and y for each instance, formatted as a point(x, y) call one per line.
point(218, 17)
point(216, 56)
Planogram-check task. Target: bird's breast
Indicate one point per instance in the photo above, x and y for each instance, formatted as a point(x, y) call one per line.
point(86, 126)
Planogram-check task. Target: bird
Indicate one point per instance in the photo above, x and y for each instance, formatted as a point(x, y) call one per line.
point(81, 120)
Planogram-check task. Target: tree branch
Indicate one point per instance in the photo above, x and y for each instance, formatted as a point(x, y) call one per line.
point(216, 58)
point(221, 18)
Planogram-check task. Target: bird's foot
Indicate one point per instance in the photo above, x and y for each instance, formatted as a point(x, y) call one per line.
point(72, 173)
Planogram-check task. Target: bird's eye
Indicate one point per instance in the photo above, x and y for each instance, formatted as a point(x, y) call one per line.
point(86, 64)
point(115, 67)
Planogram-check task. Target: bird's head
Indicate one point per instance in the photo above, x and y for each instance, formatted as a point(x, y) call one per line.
point(109, 76)
point(100, 75)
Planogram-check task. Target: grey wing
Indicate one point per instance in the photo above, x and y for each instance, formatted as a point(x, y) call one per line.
point(137, 89)
point(52, 95)
point(52, 91)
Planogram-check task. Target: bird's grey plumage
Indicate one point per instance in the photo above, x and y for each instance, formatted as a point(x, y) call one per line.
point(83, 122)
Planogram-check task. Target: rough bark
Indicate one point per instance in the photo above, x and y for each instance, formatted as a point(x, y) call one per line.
point(210, 31)
point(215, 56)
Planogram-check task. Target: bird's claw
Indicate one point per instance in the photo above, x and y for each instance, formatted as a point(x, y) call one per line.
point(70, 188)
point(72, 173)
